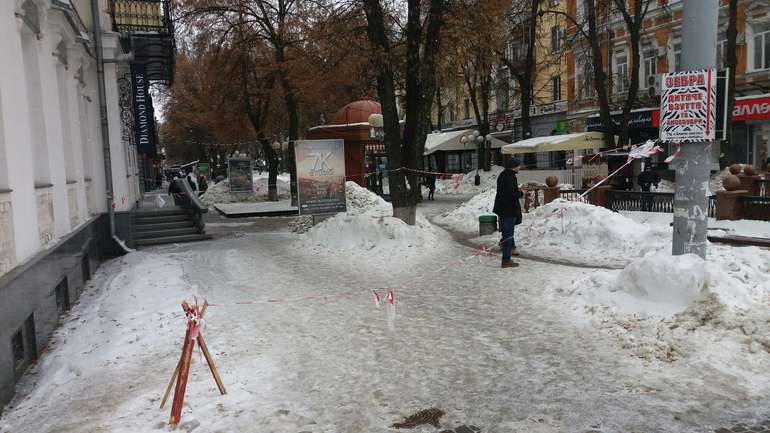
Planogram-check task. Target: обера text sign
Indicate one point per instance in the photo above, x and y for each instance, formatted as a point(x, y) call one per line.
point(688, 106)
point(320, 176)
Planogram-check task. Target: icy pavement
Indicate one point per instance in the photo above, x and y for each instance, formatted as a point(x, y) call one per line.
point(311, 352)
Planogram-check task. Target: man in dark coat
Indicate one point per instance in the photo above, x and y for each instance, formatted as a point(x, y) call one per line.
point(508, 209)
point(646, 179)
point(430, 183)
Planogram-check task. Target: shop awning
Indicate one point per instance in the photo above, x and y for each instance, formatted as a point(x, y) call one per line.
point(552, 143)
point(450, 141)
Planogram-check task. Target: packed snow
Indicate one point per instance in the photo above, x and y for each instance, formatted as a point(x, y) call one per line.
point(368, 229)
point(464, 184)
point(220, 192)
point(465, 218)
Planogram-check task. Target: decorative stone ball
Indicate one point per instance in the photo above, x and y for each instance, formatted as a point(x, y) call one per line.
point(551, 181)
point(731, 182)
point(735, 169)
point(749, 170)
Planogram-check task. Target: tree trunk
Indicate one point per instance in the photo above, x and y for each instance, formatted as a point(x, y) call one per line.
point(292, 112)
point(530, 159)
point(386, 90)
point(731, 62)
point(633, 89)
point(600, 77)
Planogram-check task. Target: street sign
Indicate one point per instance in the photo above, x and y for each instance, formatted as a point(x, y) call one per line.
point(688, 106)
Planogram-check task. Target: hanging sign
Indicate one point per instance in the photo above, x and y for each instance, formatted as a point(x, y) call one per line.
point(321, 176)
point(688, 106)
point(144, 114)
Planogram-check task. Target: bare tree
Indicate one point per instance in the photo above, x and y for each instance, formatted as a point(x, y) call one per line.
point(421, 45)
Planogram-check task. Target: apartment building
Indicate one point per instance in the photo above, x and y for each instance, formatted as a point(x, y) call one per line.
point(660, 52)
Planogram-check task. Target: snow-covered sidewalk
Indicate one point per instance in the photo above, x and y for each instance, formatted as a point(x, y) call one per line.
point(302, 346)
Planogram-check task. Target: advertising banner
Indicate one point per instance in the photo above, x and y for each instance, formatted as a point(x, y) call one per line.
point(320, 176)
point(239, 173)
point(144, 114)
point(688, 106)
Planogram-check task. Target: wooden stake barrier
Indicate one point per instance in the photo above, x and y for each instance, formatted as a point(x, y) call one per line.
point(182, 371)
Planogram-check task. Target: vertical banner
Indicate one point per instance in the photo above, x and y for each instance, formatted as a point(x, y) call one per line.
point(320, 176)
point(688, 106)
point(144, 114)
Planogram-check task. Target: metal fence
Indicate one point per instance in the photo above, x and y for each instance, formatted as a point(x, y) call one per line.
point(756, 208)
point(141, 16)
point(763, 185)
point(636, 201)
point(573, 195)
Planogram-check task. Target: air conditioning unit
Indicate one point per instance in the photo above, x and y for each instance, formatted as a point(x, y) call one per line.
point(653, 85)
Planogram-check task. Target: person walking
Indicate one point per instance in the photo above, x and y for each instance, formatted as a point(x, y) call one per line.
point(430, 182)
point(203, 186)
point(508, 209)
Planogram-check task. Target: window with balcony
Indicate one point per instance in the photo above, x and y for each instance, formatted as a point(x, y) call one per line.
point(621, 74)
point(760, 49)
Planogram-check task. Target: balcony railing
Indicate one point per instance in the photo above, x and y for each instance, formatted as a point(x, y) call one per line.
point(132, 16)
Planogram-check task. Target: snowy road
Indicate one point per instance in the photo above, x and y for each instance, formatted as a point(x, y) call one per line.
point(474, 340)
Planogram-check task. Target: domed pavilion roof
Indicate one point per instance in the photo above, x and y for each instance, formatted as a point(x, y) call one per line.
point(355, 112)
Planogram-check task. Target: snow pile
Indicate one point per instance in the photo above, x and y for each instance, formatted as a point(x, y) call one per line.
point(664, 186)
point(665, 307)
point(581, 233)
point(465, 218)
point(360, 200)
point(220, 192)
point(464, 184)
point(367, 229)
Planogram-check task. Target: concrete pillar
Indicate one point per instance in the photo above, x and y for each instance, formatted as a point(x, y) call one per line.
point(749, 183)
point(551, 194)
point(16, 135)
point(600, 196)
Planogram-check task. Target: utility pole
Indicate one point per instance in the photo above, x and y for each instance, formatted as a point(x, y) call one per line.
point(699, 41)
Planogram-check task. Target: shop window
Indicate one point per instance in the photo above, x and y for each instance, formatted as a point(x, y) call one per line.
point(761, 47)
point(453, 162)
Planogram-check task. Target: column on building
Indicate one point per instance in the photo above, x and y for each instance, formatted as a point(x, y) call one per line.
point(17, 170)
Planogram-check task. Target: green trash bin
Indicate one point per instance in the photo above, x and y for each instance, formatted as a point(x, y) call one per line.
point(487, 224)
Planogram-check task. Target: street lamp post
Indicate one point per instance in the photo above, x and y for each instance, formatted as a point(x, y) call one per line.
point(488, 152)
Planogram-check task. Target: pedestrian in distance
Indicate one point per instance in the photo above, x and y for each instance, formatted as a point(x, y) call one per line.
point(203, 186)
point(191, 182)
point(430, 182)
point(508, 209)
point(647, 178)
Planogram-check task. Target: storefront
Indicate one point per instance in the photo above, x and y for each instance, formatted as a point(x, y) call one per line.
point(750, 139)
point(545, 120)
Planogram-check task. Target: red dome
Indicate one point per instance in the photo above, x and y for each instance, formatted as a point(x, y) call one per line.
point(356, 112)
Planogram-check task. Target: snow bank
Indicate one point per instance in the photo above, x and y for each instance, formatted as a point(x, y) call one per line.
point(581, 233)
point(220, 192)
point(465, 218)
point(367, 229)
point(464, 184)
point(664, 307)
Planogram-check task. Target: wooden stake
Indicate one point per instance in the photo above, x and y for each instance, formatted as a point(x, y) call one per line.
point(181, 383)
point(212, 367)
